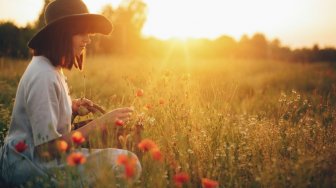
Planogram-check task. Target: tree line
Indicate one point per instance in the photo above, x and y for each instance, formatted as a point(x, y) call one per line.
point(126, 39)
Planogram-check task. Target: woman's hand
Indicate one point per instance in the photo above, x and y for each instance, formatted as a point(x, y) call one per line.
point(123, 114)
point(84, 106)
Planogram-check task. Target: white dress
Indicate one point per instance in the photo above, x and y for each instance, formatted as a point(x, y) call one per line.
point(42, 112)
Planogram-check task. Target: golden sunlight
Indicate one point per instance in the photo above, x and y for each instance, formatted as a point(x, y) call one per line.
point(296, 23)
point(212, 18)
point(286, 19)
point(95, 6)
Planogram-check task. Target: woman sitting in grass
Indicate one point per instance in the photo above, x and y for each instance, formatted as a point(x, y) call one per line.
point(40, 137)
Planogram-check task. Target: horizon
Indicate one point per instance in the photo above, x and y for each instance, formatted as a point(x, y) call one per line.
point(304, 24)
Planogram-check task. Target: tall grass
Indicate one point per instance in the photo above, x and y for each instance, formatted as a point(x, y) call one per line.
point(243, 123)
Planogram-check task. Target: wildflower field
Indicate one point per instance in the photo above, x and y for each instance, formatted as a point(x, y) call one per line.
point(207, 122)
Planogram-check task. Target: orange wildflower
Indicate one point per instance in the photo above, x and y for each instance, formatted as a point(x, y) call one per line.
point(208, 183)
point(62, 145)
point(129, 164)
point(76, 158)
point(139, 93)
point(77, 137)
point(129, 170)
point(148, 107)
point(122, 159)
point(181, 178)
point(119, 123)
point(147, 145)
point(21, 146)
point(156, 154)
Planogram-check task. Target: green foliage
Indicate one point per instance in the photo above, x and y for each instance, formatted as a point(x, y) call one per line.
point(13, 40)
point(10, 73)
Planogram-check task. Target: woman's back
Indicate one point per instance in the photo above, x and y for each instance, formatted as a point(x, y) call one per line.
point(41, 112)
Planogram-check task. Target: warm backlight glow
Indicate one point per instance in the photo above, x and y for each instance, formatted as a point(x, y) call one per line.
point(95, 6)
point(295, 22)
point(285, 19)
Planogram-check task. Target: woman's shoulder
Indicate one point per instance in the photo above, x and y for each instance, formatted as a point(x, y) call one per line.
point(40, 68)
point(42, 63)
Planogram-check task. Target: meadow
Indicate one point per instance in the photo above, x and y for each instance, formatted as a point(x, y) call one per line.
point(242, 123)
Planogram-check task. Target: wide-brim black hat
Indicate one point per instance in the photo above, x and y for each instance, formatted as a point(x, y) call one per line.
point(69, 13)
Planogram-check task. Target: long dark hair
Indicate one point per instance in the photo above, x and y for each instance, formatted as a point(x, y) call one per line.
point(58, 47)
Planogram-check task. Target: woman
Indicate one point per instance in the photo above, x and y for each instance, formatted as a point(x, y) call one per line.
point(43, 109)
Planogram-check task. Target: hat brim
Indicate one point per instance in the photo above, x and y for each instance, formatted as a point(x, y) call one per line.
point(91, 23)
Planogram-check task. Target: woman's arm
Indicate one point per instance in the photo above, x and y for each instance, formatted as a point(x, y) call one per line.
point(86, 130)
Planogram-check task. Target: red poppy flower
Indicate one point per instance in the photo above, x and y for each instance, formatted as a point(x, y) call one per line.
point(62, 145)
point(119, 123)
point(76, 158)
point(122, 159)
point(77, 137)
point(21, 146)
point(129, 170)
point(148, 107)
point(139, 93)
point(181, 178)
point(129, 164)
point(156, 154)
point(146, 145)
point(208, 183)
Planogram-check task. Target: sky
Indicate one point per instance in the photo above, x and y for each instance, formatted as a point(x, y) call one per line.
point(296, 23)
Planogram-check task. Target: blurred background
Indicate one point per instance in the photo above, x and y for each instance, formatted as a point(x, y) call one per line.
point(301, 31)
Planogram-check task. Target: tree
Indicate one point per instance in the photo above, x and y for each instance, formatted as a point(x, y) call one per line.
point(128, 20)
point(244, 47)
point(259, 46)
point(225, 46)
point(13, 40)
